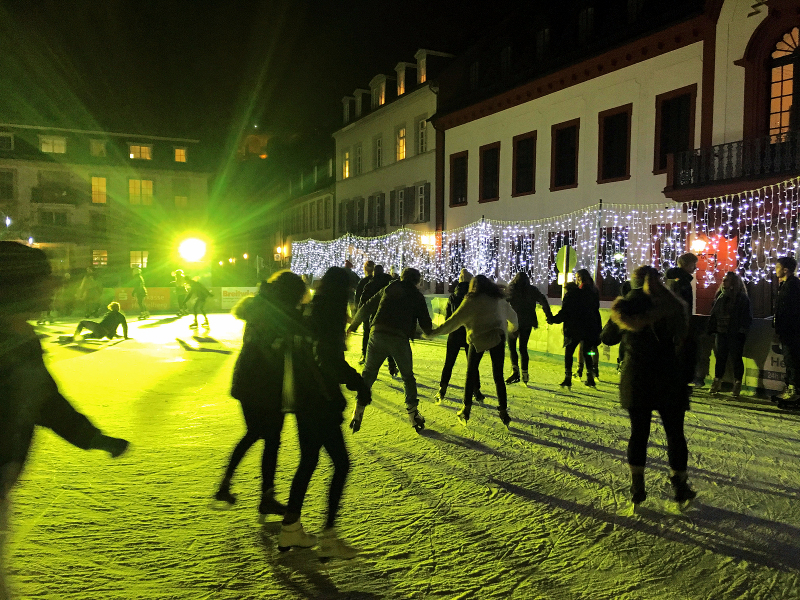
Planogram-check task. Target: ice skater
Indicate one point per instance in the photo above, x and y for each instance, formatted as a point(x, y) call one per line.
point(90, 292)
point(369, 270)
point(272, 319)
point(487, 317)
point(30, 396)
point(787, 327)
point(378, 281)
point(318, 407)
point(107, 327)
point(201, 293)
point(731, 316)
point(140, 292)
point(523, 298)
point(179, 282)
point(655, 376)
point(579, 326)
point(588, 348)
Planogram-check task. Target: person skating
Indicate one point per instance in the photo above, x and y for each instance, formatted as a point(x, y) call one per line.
point(140, 292)
point(654, 324)
point(585, 281)
point(378, 281)
point(179, 282)
point(318, 407)
point(487, 318)
point(398, 308)
point(107, 328)
point(201, 293)
point(354, 279)
point(523, 298)
point(369, 271)
point(30, 397)
point(731, 316)
point(456, 340)
point(272, 319)
point(577, 315)
point(787, 325)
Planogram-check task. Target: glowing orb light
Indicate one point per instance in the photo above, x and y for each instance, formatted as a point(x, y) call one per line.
point(192, 249)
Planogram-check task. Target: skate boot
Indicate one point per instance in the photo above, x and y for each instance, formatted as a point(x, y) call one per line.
point(638, 493)
point(330, 546)
point(206, 324)
point(525, 378)
point(479, 397)
point(716, 386)
point(680, 485)
point(439, 397)
point(416, 419)
point(589, 380)
point(224, 494)
point(514, 378)
point(463, 415)
point(737, 389)
point(269, 506)
point(294, 536)
point(504, 416)
point(579, 373)
point(193, 325)
point(567, 383)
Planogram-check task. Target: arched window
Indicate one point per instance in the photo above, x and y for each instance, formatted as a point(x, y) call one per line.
point(784, 84)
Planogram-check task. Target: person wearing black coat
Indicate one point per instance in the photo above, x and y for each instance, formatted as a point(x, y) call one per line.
point(523, 298)
point(369, 270)
point(456, 340)
point(731, 316)
point(577, 315)
point(654, 323)
point(585, 281)
point(787, 324)
point(377, 282)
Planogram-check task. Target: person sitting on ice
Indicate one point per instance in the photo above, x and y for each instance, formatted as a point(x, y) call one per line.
point(107, 327)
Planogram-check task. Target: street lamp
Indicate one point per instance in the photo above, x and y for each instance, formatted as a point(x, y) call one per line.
point(192, 249)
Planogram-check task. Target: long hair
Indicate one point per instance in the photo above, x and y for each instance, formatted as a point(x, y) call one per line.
point(587, 281)
point(329, 306)
point(482, 285)
point(738, 284)
point(520, 285)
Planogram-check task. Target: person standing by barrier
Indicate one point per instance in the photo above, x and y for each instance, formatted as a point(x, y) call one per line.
point(731, 316)
point(523, 298)
point(787, 325)
point(140, 292)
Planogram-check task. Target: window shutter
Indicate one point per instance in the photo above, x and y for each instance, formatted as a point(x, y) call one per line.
point(393, 208)
point(360, 214)
point(371, 211)
point(380, 210)
point(342, 223)
point(427, 203)
point(410, 208)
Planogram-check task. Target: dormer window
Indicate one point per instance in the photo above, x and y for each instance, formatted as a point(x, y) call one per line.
point(401, 83)
point(97, 147)
point(53, 144)
point(140, 152)
point(783, 115)
point(422, 70)
point(379, 94)
point(346, 115)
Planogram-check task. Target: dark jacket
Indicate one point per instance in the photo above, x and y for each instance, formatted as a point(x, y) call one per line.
point(524, 302)
point(111, 322)
point(787, 310)
point(198, 290)
point(654, 374)
point(30, 397)
point(375, 285)
point(680, 283)
point(580, 316)
point(397, 308)
point(739, 314)
point(360, 288)
point(453, 302)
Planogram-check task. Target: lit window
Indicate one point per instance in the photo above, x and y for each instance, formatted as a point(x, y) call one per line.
point(140, 191)
point(345, 164)
point(99, 258)
point(401, 83)
point(139, 259)
point(180, 155)
point(53, 144)
point(423, 71)
point(784, 58)
point(422, 136)
point(6, 141)
point(97, 147)
point(98, 190)
point(139, 152)
point(401, 143)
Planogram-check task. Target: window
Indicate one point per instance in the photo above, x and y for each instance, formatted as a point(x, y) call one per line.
point(346, 112)
point(378, 152)
point(423, 70)
point(98, 190)
point(401, 83)
point(180, 155)
point(358, 160)
point(489, 172)
point(674, 124)
point(542, 43)
point(99, 258)
point(320, 224)
point(585, 24)
point(781, 104)
point(458, 178)
point(564, 155)
point(474, 75)
point(401, 206)
point(53, 144)
point(422, 136)
point(614, 144)
point(140, 191)
point(6, 141)
point(523, 178)
point(57, 219)
point(98, 221)
point(139, 259)
point(379, 95)
point(345, 164)
point(401, 143)
point(180, 191)
point(140, 152)
point(422, 217)
point(328, 211)
point(97, 147)
point(6, 185)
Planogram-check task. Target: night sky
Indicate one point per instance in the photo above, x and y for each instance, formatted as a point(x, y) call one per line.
point(211, 70)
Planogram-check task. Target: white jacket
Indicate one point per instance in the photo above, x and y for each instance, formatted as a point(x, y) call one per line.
point(486, 320)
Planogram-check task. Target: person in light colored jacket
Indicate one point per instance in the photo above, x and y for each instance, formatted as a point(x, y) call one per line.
point(486, 316)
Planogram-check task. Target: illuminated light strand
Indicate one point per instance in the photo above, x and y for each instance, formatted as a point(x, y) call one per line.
point(746, 232)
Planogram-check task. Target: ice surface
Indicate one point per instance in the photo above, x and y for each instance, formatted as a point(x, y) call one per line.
point(539, 511)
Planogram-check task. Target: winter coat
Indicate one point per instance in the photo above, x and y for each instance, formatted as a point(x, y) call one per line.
point(397, 308)
point(787, 311)
point(734, 315)
point(198, 290)
point(373, 286)
point(654, 372)
point(29, 396)
point(485, 318)
point(453, 302)
point(524, 302)
point(360, 289)
point(580, 314)
point(679, 283)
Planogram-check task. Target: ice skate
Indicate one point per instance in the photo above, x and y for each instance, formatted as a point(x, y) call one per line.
point(193, 325)
point(514, 378)
point(223, 494)
point(590, 382)
point(269, 506)
point(567, 383)
point(788, 395)
point(463, 415)
point(206, 325)
point(439, 397)
point(680, 485)
point(330, 546)
point(716, 386)
point(416, 419)
point(479, 397)
point(737, 389)
point(525, 377)
point(638, 492)
point(504, 416)
point(294, 536)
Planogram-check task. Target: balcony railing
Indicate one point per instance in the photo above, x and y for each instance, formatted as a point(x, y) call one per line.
point(745, 159)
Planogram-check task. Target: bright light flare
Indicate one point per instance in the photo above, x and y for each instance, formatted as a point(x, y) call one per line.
point(192, 250)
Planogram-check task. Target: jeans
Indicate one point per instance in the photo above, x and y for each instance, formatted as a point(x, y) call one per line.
point(524, 334)
point(569, 351)
point(315, 432)
point(364, 338)
point(672, 419)
point(729, 345)
point(455, 342)
point(498, 356)
point(381, 346)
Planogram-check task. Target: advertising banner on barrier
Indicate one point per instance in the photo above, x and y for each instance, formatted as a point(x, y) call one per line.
point(231, 295)
point(157, 298)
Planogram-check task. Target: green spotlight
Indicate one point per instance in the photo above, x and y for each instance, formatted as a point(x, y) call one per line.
point(192, 249)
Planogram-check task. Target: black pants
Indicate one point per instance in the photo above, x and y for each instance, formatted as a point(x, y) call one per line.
point(523, 334)
point(672, 419)
point(569, 351)
point(498, 356)
point(364, 338)
point(200, 308)
point(98, 331)
point(315, 432)
point(729, 345)
point(595, 358)
point(455, 342)
point(261, 424)
point(791, 358)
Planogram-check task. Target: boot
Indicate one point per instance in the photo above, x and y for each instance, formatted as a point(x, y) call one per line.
point(638, 492)
point(567, 383)
point(294, 535)
point(224, 493)
point(681, 487)
point(269, 506)
point(439, 397)
point(416, 419)
point(504, 416)
point(589, 379)
point(330, 546)
point(478, 395)
point(716, 386)
point(737, 389)
point(789, 394)
point(463, 415)
point(514, 378)
point(525, 378)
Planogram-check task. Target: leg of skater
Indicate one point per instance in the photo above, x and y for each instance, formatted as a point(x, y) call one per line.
point(330, 544)
point(586, 350)
point(400, 350)
point(473, 367)
point(569, 352)
point(310, 442)
point(498, 356)
point(677, 452)
point(524, 336)
point(223, 493)
point(637, 451)
point(512, 351)
point(377, 352)
point(736, 344)
point(271, 432)
point(721, 351)
point(454, 345)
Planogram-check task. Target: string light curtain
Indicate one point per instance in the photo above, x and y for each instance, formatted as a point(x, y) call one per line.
point(745, 232)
